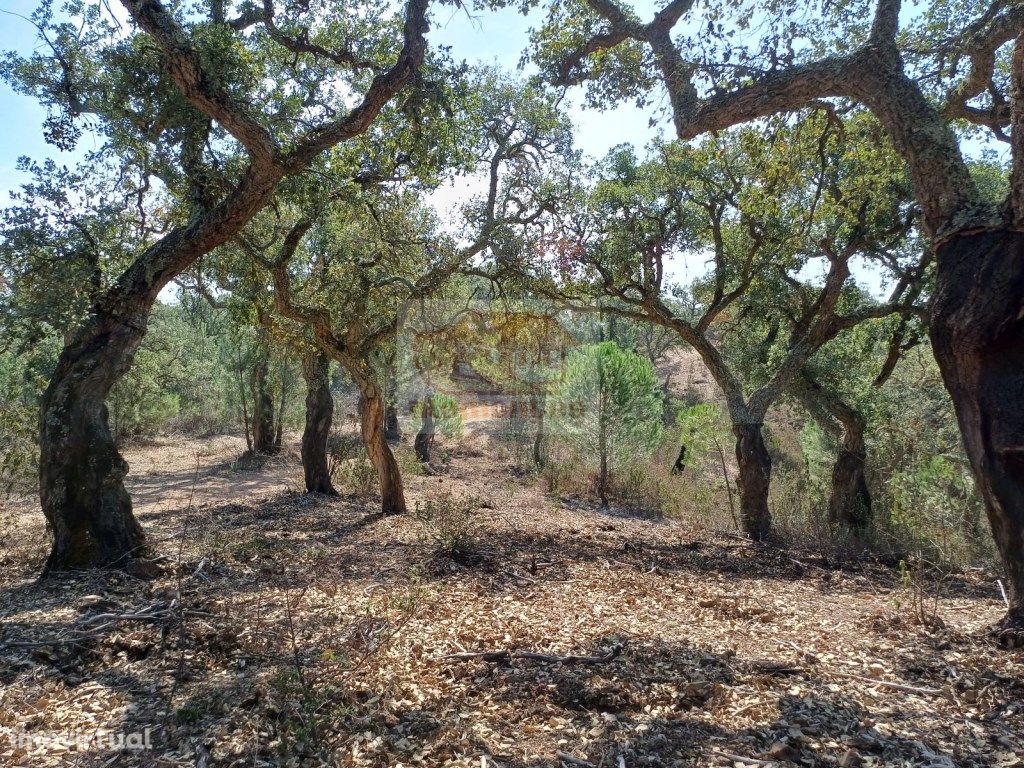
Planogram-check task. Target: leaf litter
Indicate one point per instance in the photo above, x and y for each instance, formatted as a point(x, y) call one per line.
point(296, 630)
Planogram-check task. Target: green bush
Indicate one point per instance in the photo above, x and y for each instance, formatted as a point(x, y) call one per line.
point(607, 410)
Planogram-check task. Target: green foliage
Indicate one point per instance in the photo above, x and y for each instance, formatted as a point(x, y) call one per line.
point(700, 425)
point(446, 520)
point(447, 415)
point(608, 404)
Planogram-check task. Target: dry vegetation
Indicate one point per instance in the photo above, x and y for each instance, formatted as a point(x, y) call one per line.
point(288, 629)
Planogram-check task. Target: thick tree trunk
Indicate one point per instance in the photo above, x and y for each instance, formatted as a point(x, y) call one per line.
point(81, 473)
point(319, 412)
point(755, 465)
point(392, 492)
point(977, 334)
point(850, 499)
point(263, 407)
point(425, 437)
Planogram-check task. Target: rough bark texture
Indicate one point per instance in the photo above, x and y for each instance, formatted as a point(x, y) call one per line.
point(319, 412)
point(81, 472)
point(850, 498)
point(755, 465)
point(425, 437)
point(977, 333)
point(263, 408)
point(392, 491)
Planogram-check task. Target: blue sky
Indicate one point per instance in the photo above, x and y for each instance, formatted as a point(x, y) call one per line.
point(493, 37)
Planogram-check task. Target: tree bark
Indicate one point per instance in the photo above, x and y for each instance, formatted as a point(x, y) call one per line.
point(281, 403)
point(755, 465)
point(425, 437)
point(392, 429)
point(392, 491)
point(81, 473)
point(319, 413)
point(977, 334)
point(850, 498)
point(263, 406)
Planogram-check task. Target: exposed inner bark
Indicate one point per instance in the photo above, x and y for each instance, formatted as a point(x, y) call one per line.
point(755, 465)
point(392, 491)
point(977, 333)
point(81, 472)
point(319, 412)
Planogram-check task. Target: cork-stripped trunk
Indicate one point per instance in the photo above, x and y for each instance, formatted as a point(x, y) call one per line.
point(81, 473)
point(977, 334)
point(319, 414)
point(975, 323)
point(850, 498)
point(389, 475)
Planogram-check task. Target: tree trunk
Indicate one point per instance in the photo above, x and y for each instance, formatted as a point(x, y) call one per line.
point(319, 412)
point(977, 334)
point(425, 437)
point(263, 407)
point(81, 473)
point(282, 401)
point(850, 499)
point(392, 429)
point(539, 452)
point(392, 492)
point(755, 465)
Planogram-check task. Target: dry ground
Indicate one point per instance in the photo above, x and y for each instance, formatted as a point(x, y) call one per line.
point(296, 630)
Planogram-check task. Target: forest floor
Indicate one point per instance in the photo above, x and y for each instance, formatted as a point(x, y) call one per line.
point(287, 629)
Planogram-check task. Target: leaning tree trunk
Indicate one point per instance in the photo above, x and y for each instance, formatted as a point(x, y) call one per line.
point(319, 412)
point(263, 407)
point(81, 473)
point(392, 492)
point(755, 470)
point(977, 334)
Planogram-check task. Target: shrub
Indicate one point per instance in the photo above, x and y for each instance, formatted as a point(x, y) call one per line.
point(446, 521)
point(349, 466)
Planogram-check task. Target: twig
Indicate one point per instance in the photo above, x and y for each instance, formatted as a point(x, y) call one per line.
point(887, 684)
point(728, 485)
point(1002, 591)
point(612, 653)
point(742, 759)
